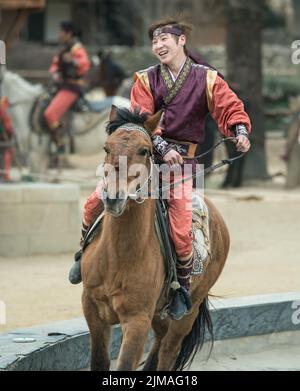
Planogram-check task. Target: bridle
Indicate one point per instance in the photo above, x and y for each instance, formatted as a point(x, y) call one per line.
point(136, 196)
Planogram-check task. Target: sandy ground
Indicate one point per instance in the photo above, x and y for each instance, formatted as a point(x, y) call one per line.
point(264, 224)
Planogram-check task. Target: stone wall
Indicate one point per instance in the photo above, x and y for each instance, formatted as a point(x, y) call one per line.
point(39, 218)
point(64, 345)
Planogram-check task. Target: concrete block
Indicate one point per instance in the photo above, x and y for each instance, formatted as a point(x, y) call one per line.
point(10, 194)
point(254, 315)
point(46, 192)
point(39, 218)
point(53, 243)
point(34, 218)
point(67, 346)
point(14, 245)
point(75, 217)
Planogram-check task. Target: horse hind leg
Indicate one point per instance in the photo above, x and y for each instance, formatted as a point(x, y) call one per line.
point(184, 338)
point(160, 328)
point(100, 335)
point(152, 360)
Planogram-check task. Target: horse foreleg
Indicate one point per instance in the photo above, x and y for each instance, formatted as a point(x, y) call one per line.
point(135, 331)
point(38, 160)
point(100, 334)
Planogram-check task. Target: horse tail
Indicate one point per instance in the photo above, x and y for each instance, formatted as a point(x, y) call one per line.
point(194, 341)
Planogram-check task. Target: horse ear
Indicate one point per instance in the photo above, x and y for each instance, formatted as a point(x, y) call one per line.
point(153, 121)
point(113, 113)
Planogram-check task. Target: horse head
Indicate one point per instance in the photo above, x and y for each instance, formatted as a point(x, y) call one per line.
point(128, 160)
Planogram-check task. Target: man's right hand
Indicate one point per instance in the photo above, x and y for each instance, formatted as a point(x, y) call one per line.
point(173, 157)
point(56, 77)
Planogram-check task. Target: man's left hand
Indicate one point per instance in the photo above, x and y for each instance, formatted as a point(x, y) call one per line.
point(242, 143)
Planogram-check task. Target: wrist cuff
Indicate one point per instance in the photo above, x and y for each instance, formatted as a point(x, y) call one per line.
point(161, 146)
point(239, 130)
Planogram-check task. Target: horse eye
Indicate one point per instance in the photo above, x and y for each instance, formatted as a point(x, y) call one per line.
point(143, 152)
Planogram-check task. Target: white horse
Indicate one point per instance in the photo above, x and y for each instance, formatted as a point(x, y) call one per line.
point(88, 127)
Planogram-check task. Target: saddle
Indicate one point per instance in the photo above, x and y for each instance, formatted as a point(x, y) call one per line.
point(200, 228)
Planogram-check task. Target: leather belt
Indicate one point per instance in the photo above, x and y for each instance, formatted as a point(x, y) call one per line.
point(185, 148)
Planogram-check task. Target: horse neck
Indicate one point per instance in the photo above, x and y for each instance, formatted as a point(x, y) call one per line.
point(18, 88)
point(133, 228)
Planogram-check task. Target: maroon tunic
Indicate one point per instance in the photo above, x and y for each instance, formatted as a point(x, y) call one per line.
point(203, 91)
point(184, 116)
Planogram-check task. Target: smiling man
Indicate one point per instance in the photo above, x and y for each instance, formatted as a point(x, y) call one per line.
point(186, 92)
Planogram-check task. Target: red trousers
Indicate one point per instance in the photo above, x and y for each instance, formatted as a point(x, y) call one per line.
point(180, 217)
point(61, 103)
point(5, 165)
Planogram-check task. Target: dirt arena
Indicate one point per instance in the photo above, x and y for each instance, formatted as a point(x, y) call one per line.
point(264, 224)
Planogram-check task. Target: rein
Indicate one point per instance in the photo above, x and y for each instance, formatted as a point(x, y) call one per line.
point(137, 196)
point(223, 162)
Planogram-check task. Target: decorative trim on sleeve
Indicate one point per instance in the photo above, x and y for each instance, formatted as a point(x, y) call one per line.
point(210, 81)
point(239, 130)
point(142, 76)
point(161, 146)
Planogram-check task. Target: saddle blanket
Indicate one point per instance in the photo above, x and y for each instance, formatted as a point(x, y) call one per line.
point(200, 226)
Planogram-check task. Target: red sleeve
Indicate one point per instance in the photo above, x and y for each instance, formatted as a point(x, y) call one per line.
point(227, 109)
point(82, 60)
point(7, 123)
point(54, 66)
point(141, 97)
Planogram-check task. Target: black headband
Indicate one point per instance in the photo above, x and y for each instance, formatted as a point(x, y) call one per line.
point(171, 30)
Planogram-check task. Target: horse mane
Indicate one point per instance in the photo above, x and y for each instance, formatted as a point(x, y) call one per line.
point(125, 116)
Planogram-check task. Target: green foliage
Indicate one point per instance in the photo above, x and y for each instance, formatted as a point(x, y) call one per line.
point(281, 87)
point(272, 19)
point(277, 91)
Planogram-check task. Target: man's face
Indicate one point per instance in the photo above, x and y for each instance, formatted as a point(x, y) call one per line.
point(165, 47)
point(64, 36)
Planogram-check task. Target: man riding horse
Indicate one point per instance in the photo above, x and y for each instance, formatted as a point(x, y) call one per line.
point(68, 68)
point(186, 91)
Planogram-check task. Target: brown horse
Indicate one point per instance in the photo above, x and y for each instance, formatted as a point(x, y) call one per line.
point(123, 269)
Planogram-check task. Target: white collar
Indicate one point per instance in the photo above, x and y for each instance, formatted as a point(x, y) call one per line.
point(172, 76)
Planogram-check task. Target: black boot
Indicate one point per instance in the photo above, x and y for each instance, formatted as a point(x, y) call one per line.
point(181, 302)
point(75, 272)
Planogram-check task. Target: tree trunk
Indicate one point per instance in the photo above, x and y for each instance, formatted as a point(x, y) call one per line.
point(244, 68)
point(11, 23)
point(296, 18)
